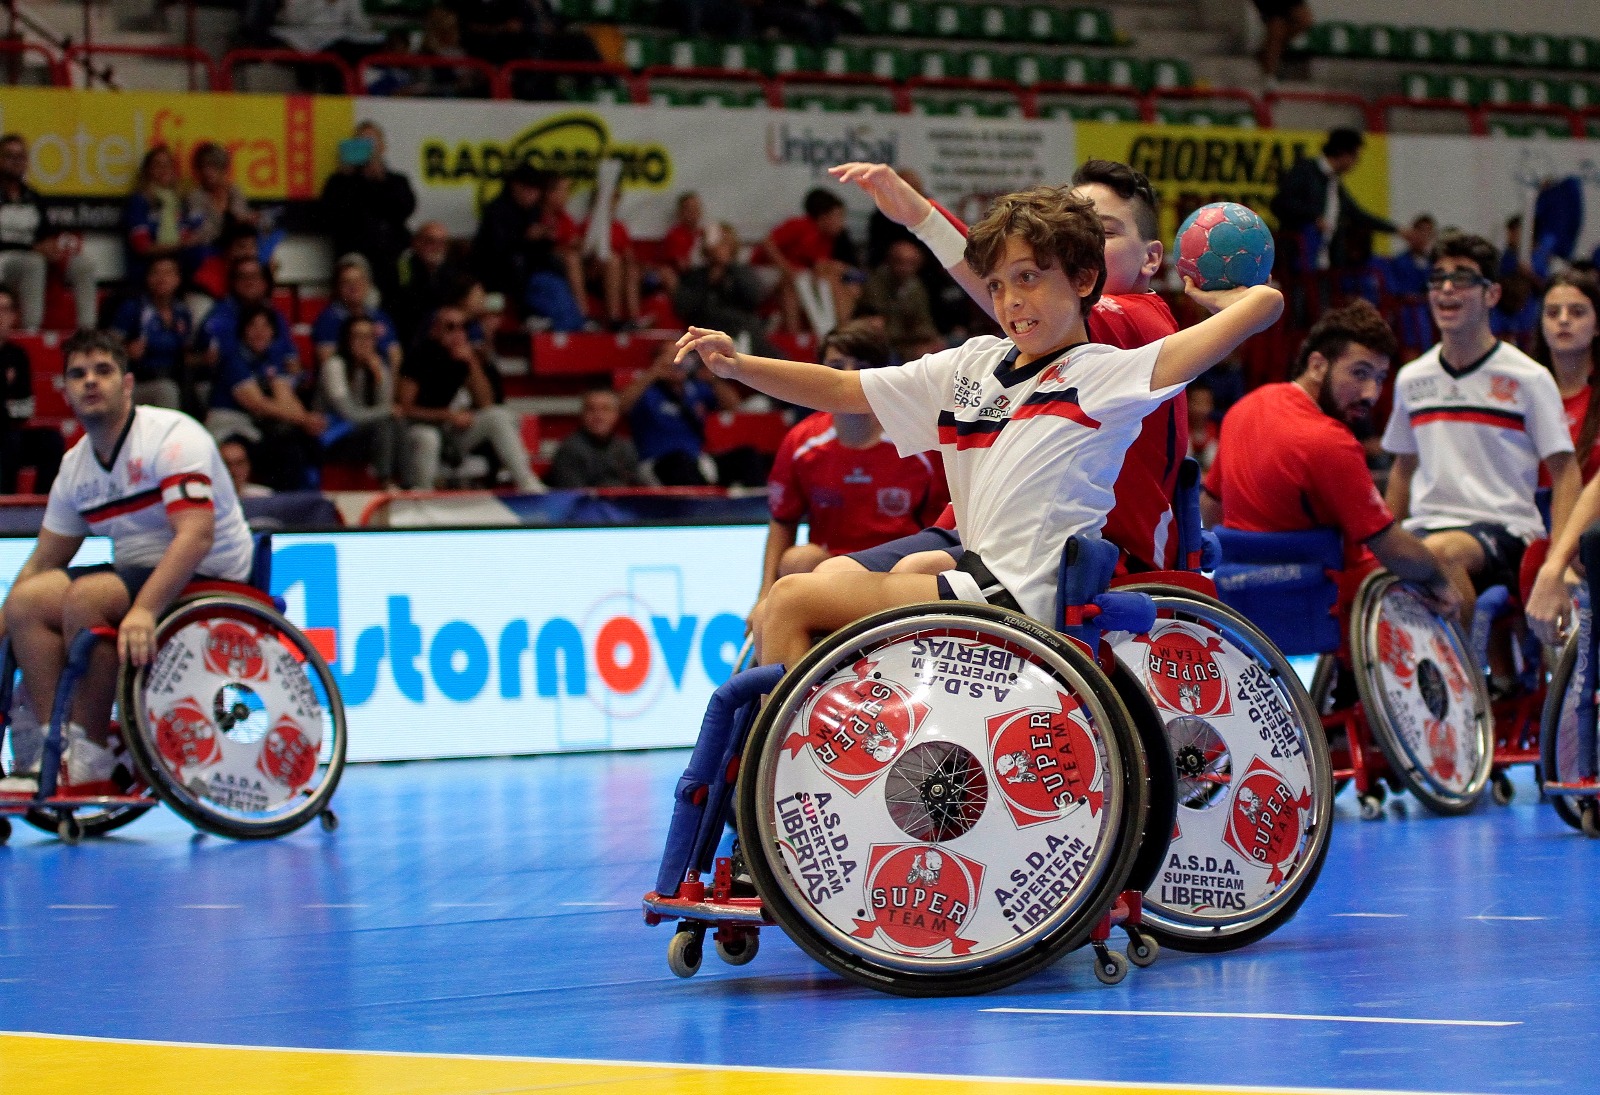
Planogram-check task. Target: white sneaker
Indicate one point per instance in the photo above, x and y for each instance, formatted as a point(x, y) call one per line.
point(87, 761)
point(20, 783)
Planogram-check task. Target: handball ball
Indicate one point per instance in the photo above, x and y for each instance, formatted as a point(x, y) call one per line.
point(1224, 245)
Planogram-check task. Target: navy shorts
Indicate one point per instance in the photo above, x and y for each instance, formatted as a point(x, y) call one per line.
point(1502, 554)
point(133, 578)
point(881, 559)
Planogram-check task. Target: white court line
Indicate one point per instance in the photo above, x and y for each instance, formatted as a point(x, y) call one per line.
point(1508, 918)
point(1372, 916)
point(333, 906)
point(1262, 1015)
point(83, 906)
point(466, 904)
point(210, 906)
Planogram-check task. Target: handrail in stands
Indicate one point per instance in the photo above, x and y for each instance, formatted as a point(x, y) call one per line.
point(1148, 102)
point(902, 100)
point(1477, 120)
point(191, 55)
point(1024, 95)
point(418, 60)
point(1103, 91)
point(772, 91)
point(253, 56)
point(1573, 118)
point(1375, 121)
point(56, 66)
point(638, 88)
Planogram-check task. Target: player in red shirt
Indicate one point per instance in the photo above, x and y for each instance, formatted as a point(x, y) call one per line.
point(1287, 460)
point(681, 246)
point(1569, 346)
point(842, 475)
point(806, 244)
point(1128, 315)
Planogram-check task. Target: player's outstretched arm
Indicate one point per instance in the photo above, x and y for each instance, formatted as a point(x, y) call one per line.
point(1239, 313)
point(815, 386)
point(1549, 603)
point(899, 201)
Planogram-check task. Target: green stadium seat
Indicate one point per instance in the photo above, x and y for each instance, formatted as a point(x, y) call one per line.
point(1206, 116)
point(821, 102)
point(1500, 90)
point(869, 103)
point(1028, 69)
point(1421, 85)
point(787, 57)
point(938, 64)
point(1543, 92)
point(1084, 70)
point(733, 98)
point(954, 20)
point(890, 62)
point(1127, 72)
point(1090, 27)
point(1466, 90)
point(1042, 24)
point(874, 14)
point(1578, 54)
point(965, 108)
point(684, 54)
point(987, 64)
point(597, 93)
point(1539, 50)
point(1523, 127)
point(844, 60)
point(908, 17)
point(1000, 22)
point(1506, 48)
point(603, 11)
point(1576, 94)
point(1386, 43)
point(1168, 72)
point(740, 56)
point(1338, 40)
point(1090, 112)
point(669, 96)
point(642, 51)
point(1467, 47)
point(1423, 44)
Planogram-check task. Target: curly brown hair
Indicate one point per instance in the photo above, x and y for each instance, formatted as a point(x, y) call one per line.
point(1056, 223)
point(1357, 322)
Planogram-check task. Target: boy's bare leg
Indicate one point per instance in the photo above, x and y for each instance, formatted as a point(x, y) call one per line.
point(33, 620)
point(96, 600)
point(801, 605)
point(840, 564)
point(1460, 557)
point(801, 559)
point(936, 561)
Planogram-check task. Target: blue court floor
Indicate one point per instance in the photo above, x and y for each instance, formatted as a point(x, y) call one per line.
point(490, 908)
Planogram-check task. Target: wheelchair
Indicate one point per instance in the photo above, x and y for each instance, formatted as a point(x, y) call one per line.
point(236, 723)
point(1569, 757)
point(945, 798)
point(1396, 684)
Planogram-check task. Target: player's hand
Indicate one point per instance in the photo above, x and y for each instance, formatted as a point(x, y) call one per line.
point(1443, 597)
point(1213, 300)
point(136, 636)
point(895, 197)
point(314, 424)
point(1549, 608)
point(715, 349)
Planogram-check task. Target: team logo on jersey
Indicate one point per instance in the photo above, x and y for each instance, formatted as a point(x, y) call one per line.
point(894, 501)
point(857, 728)
point(1396, 651)
point(919, 898)
point(135, 469)
point(186, 738)
point(1185, 673)
point(1044, 761)
point(1264, 822)
point(234, 650)
point(287, 755)
point(1504, 388)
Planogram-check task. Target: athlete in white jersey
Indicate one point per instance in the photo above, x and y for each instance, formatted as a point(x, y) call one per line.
point(151, 480)
point(1473, 418)
point(1033, 426)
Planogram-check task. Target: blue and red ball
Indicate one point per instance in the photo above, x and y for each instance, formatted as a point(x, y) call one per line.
point(1223, 245)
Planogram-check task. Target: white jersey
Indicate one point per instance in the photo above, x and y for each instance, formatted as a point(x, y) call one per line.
point(1031, 453)
point(164, 462)
point(1479, 434)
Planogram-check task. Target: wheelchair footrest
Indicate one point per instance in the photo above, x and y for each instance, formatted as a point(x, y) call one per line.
point(734, 910)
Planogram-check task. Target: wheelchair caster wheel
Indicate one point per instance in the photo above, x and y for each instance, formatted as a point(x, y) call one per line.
point(5, 829)
point(329, 820)
point(1143, 950)
point(1501, 789)
point(1371, 807)
point(739, 950)
point(686, 950)
point(69, 829)
point(1110, 967)
point(1589, 817)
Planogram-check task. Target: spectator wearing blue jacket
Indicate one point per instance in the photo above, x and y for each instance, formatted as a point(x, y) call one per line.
point(253, 397)
point(1407, 274)
point(155, 221)
point(353, 296)
point(249, 286)
point(158, 328)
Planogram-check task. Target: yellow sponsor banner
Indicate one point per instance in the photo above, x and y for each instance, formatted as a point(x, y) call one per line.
point(87, 144)
point(1191, 166)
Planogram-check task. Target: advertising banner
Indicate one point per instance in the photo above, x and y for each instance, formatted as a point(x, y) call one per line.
point(1477, 183)
point(753, 167)
point(85, 146)
point(1191, 166)
point(507, 641)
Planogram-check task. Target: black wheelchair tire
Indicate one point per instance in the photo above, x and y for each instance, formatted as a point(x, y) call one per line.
point(1120, 740)
point(141, 743)
point(1161, 788)
point(1549, 724)
point(1219, 938)
point(95, 821)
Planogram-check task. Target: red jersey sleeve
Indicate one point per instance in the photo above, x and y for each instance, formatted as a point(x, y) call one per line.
point(786, 498)
point(938, 497)
point(799, 242)
point(1212, 483)
point(1344, 491)
point(947, 519)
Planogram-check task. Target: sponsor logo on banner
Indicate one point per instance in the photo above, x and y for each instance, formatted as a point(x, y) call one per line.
point(1264, 821)
point(288, 755)
point(1044, 761)
point(234, 650)
point(818, 146)
point(186, 738)
point(1185, 673)
point(857, 728)
point(919, 897)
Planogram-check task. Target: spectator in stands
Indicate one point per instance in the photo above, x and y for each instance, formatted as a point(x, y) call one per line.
point(483, 311)
point(1203, 424)
point(841, 475)
point(723, 293)
point(249, 286)
point(667, 406)
point(22, 445)
point(216, 205)
point(436, 372)
point(1317, 217)
point(806, 251)
point(511, 30)
point(356, 392)
point(326, 26)
point(254, 398)
point(612, 269)
point(28, 245)
point(895, 291)
point(683, 245)
point(514, 251)
point(1283, 21)
point(365, 207)
point(1516, 317)
point(236, 458)
point(427, 275)
point(817, 22)
point(1407, 275)
point(155, 220)
point(595, 455)
point(158, 328)
point(352, 288)
point(1569, 346)
point(948, 303)
point(733, 19)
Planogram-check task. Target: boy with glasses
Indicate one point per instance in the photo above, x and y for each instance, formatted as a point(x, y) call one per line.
point(1473, 419)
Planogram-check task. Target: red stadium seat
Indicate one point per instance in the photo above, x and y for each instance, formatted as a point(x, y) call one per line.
point(44, 357)
point(795, 347)
point(728, 430)
point(580, 353)
point(307, 308)
point(301, 335)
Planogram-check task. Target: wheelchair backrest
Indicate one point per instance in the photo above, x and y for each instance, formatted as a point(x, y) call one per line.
point(261, 562)
point(1197, 546)
point(1286, 584)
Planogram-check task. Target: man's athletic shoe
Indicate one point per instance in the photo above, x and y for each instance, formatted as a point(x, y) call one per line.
point(20, 783)
point(88, 761)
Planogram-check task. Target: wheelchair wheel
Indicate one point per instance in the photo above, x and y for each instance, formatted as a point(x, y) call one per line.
point(1564, 757)
point(941, 799)
point(1426, 702)
point(1252, 779)
point(94, 822)
point(1160, 788)
point(237, 723)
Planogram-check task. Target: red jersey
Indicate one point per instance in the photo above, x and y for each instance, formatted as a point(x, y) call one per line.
point(621, 242)
point(1285, 465)
point(854, 498)
point(801, 243)
point(678, 245)
point(1577, 406)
